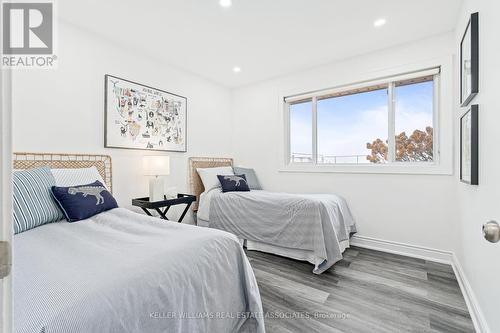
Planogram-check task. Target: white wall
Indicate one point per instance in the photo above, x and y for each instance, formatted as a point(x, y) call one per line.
point(62, 110)
point(477, 204)
point(414, 209)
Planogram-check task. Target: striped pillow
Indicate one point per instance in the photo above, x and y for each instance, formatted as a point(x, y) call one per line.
point(33, 202)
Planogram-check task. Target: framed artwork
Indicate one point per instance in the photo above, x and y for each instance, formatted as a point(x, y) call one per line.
point(469, 146)
point(143, 117)
point(469, 61)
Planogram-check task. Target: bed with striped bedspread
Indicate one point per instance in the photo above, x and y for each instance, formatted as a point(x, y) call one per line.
point(120, 271)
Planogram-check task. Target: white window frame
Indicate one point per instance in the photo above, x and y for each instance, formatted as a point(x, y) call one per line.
point(392, 166)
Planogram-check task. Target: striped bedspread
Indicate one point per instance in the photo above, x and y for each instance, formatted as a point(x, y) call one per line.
point(125, 272)
point(314, 222)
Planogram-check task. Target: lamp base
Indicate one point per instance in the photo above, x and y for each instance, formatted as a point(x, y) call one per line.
point(156, 188)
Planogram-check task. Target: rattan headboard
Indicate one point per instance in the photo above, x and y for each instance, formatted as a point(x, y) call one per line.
point(195, 183)
point(66, 161)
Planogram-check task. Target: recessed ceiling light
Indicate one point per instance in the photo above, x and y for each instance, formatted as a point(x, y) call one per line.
point(380, 22)
point(236, 69)
point(225, 3)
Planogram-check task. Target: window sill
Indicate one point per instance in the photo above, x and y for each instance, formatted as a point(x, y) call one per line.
point(404, 169)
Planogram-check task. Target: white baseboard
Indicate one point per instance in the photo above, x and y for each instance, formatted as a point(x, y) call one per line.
point(414, 251)
point(475, 312)
point(445, 257)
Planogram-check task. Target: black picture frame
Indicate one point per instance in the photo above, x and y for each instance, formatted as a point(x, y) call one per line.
point(472, 138)
point(107, 145)
point(472, 31)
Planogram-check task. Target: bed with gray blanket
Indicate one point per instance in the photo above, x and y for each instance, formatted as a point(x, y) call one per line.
point(315, 228)
point(120, 271)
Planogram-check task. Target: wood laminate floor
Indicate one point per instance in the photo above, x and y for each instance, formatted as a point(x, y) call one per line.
point(367, 291)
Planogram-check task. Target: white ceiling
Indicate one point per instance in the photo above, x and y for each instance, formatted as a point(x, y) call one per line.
point(266, 38)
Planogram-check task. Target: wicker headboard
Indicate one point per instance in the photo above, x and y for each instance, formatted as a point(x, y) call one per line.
point(66, 161)
point(195, 183)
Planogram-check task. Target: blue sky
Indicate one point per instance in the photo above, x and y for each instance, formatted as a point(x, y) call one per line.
point(346, 124)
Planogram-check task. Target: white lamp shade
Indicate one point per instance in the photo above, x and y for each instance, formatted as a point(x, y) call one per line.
point(156, 165)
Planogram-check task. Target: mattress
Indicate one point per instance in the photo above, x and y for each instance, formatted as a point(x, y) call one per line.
point(308, 227)
point(121, 271)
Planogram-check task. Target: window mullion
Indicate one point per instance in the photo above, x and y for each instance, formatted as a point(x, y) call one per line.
point(288, 138)
point(435, 120)
point(391, 141)
point(314, 131)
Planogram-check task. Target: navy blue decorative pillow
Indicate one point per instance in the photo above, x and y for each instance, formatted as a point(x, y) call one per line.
point(233, 183)
point(83, 201)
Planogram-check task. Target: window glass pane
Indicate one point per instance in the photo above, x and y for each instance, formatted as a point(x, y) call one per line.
point(414, 122)
point(301, 132)
point(353, 128)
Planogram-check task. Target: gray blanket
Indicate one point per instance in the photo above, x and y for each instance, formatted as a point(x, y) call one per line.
point(125, 272)
point(300, 221)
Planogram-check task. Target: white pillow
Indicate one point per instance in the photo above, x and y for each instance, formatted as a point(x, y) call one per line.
point(209, 176)
point(74, 177)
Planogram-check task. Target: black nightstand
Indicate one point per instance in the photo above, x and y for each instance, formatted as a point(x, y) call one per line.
point(163, 206)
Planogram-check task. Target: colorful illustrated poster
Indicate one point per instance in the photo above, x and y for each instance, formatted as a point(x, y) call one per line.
point(142, 117)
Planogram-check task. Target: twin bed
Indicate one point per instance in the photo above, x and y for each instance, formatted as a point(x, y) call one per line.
point(120, 271)
point(311, 227)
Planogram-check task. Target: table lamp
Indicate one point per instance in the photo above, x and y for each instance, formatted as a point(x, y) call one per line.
point(156, 166)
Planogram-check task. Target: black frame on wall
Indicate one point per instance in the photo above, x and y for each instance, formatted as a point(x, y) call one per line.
point(473, 25)
point(474, 167)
